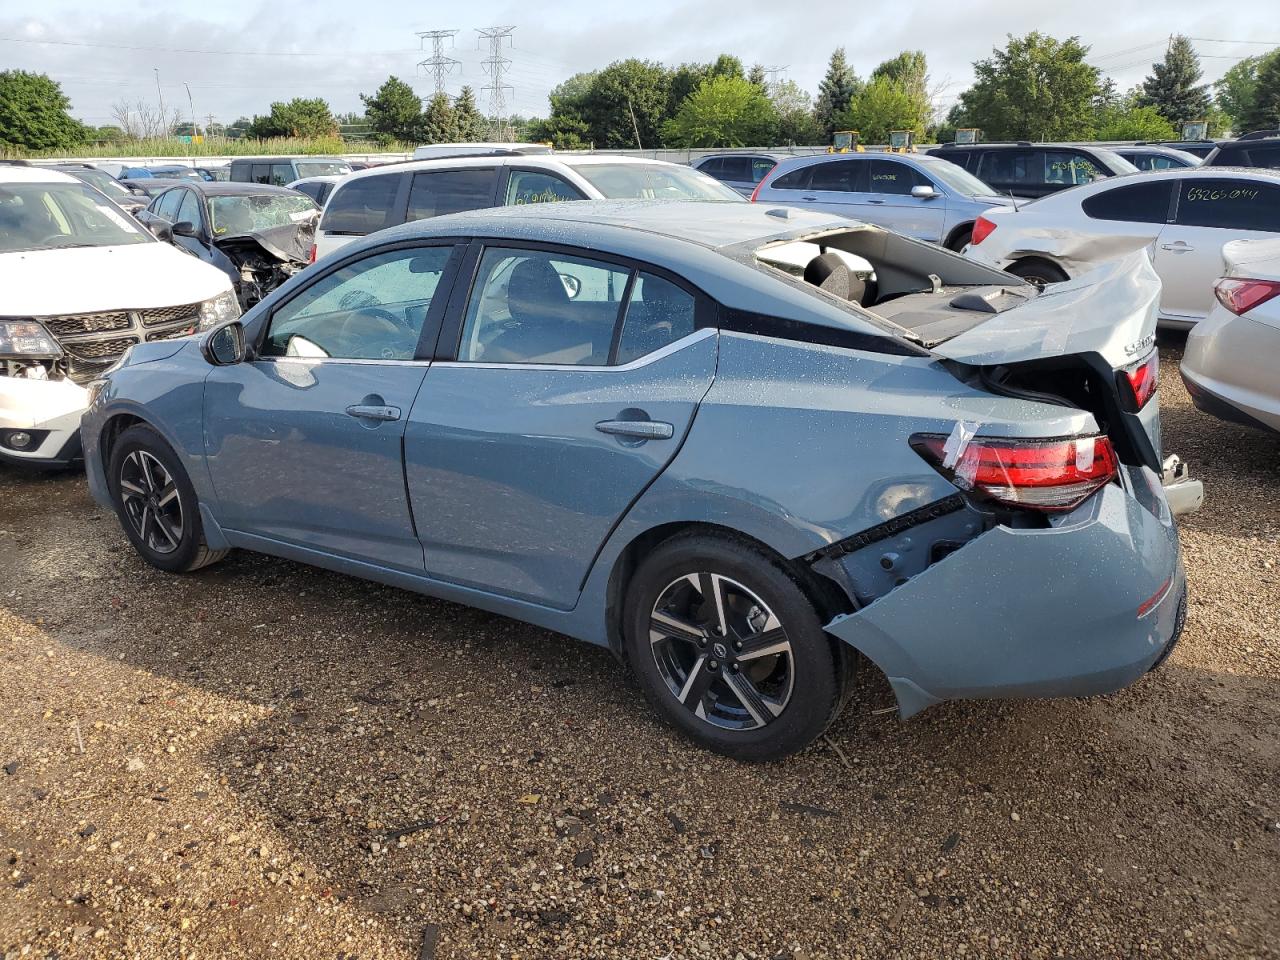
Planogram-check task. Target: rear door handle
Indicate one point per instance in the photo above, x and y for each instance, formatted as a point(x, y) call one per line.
point(364, 411)
point(637, 429)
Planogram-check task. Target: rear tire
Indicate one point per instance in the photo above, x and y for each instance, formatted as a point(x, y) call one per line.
point(729, 649)
point(1037, 271)
point(960, 239)
point(156, 502)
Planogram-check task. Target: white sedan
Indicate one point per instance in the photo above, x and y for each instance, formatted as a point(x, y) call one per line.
point(1185, 216)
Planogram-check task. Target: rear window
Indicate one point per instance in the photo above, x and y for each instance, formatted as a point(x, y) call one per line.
point(1229, 204)
point(439, 192)
point(362, 205)
point(322, 168)
point(1137, 203)
point(795, 180)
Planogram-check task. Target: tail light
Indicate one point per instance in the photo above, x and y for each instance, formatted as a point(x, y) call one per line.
point(312, 255)
point(982, 228)
point(1142, 377)
point(1241, 296)
point(1049, 475)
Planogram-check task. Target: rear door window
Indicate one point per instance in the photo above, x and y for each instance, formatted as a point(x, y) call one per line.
point(538, 186)
point(840, 176)
point(1010, 167)
point(437, 193)
point(1136, 203)
point(1229, 204)
point(1267, 157)
point(1068, 168)
point(737, 168)
point(167, 206)
point(713, 167)
point(795, 180)
point(658, 313)
point(362, 206)
point(891, 176)
point(282, 174)
point(261, 173)
point(760, 167)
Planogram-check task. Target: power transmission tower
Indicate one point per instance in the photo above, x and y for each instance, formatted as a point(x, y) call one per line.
point(772, 73)
point(437, 64)
point(495, 65)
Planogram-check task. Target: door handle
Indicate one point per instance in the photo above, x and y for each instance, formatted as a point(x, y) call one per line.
point(637, 429)
point(366, 411)
point(810, 199)
point(1181, 246)
point(875, 201)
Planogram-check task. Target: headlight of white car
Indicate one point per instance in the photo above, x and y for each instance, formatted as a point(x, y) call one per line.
point(27, 340)
point(218, 310)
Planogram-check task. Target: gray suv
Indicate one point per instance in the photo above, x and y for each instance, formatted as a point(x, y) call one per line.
point(741, 171)
point(920, 196)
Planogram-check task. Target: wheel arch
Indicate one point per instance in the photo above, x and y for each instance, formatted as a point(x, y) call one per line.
point(1021, 258)
point(827, 598)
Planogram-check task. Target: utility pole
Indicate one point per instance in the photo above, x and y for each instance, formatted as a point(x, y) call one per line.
point(164, 122)
point(495, 65)
point(195, 127)
point(634, 126)
point(437, 64)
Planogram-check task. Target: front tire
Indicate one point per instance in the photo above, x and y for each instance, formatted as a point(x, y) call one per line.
point(156, 502)
point(728, 648)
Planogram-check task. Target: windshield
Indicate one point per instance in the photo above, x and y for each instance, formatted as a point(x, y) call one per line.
point(654, 181)
point(322, 168)
point(1117, 163)
point(959, 179)
point(230, 216)
point(51, 216)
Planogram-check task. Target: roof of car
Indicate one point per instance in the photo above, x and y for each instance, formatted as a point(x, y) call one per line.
point(278, 159)
point(546, 161)
point(16, 174)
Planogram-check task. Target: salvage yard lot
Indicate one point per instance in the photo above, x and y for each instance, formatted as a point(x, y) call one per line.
point(269, 760)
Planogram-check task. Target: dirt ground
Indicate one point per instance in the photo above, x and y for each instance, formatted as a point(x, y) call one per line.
point(265, 760)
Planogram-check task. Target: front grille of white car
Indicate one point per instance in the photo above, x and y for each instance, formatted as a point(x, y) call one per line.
point(94, 341)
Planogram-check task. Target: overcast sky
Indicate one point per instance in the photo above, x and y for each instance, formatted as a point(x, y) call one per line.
point(238, 56)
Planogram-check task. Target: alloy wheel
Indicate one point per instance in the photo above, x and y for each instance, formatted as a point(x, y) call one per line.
point(721, 651)
point(151, 502)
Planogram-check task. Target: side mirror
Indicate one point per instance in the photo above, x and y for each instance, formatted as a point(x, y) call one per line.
point(185, 228)
point(137, 191)
point(160, 230)
point(225, 345)
point(923, 192)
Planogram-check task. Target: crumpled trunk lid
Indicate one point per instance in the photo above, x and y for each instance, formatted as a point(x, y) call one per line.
point(288, 243)
point(1110, 311)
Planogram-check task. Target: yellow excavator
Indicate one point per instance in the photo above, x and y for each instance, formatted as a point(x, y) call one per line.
point(902, 141)
point(846, 141)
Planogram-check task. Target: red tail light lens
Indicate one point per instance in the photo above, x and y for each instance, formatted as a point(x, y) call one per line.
point(1143, 378)
point(1241, 296)
point(313, 253)
point(1050, 475)
point(982, 228)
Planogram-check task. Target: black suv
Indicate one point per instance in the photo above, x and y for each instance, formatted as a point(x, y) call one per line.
point(1258, 149)
point(1033, 170)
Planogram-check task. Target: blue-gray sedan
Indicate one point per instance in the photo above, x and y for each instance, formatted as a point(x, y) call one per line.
point(747, 449)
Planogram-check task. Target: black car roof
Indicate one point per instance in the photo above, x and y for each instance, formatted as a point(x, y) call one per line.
point(229, 188)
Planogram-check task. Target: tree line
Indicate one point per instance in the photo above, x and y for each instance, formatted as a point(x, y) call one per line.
point(1036, 87)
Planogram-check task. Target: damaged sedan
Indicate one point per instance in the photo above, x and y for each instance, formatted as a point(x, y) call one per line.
point(258, 235)
point(80, 283)
point(750, 450)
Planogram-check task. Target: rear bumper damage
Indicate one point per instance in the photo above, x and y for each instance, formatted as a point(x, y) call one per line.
point(1085, 606)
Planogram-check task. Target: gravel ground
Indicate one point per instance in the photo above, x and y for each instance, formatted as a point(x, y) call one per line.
point(270, 760)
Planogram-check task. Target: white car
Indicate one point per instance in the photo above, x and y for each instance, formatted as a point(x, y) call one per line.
point(387, 196)
point(1185, 216)
point(1231, 365)
point(80, 282)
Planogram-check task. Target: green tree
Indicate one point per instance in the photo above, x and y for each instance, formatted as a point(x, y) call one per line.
point(1264, 111)
point(1036, 88)
point(562, 131)
point(1134, 123)
point(723, 112)
point(1235, 91)
point(472, 124)
point(34, 113)
point(1172, 87)
point(758, 77)
point(628, 97)
point(884, 105)
point(394, 111)
point(299, 117)
point(438, 123)
point(726, 65)
point(909, 68)
point(835, 91)
point(796, 122)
